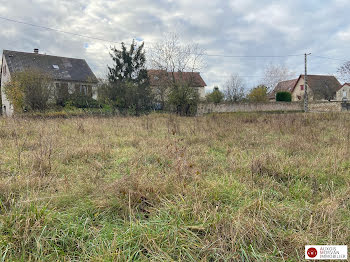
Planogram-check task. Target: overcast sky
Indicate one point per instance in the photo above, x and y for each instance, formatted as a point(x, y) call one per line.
point(236, 27)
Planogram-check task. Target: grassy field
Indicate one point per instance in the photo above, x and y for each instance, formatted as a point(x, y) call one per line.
point(225, 187)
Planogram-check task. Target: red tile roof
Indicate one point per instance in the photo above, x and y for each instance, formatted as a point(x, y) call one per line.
point(157, 77)
point(345, 84)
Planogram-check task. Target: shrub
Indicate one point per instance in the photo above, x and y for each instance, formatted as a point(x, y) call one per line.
point(82, 101)
point(258, 94)
point(183, 99)
point(284, 96)
point(216, 96)
point(29, 90)
point(61, 94)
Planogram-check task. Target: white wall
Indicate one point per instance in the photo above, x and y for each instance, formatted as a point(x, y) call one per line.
point(298, 93)
point(201, 92)
point(340, 94)
point(7, 108)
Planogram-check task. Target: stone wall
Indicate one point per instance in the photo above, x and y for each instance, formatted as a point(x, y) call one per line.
point(325, 106)
point(205, 108)
point(321, 106)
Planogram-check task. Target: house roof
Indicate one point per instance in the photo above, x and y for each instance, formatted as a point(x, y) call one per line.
point(286, 86)
point(345, 84)
point(194, 78)
point(61, 68)
point(319, 80)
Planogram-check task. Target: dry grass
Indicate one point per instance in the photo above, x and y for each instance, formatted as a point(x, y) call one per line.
point(223, 187)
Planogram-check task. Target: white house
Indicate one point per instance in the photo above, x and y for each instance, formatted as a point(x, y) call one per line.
point(71, 75)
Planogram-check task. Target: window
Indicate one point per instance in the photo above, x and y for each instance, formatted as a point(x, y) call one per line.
point(301, 87)
point(83, 89)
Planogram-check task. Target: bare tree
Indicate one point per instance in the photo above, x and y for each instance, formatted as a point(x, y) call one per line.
point(160, 83)
point(326, 90)
point(344, 71)
point(171, 61)
point(234, 88)
point(173, 56)
point(273, 74)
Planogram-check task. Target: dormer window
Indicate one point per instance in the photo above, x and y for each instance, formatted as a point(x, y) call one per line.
point(55, 67)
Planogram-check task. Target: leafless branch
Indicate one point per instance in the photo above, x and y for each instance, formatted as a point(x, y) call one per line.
point(273, 74)
point(234, 88)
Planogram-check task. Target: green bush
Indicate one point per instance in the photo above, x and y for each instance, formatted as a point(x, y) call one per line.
point(82, 101)
point(284, 96)
point(216, 96)
point(183, 99)
point(29, 90)
point(258, 94)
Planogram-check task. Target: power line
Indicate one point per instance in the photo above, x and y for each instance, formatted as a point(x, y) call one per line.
point(109, 41)
point(330, 58)
point(251, 56)
point(229, 75)
point(205, 54)
point(57, 30)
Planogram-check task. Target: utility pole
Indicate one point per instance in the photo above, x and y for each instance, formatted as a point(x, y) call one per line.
point(306, 98)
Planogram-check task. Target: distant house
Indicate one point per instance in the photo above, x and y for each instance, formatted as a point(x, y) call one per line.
point(161, 80)
point(71, 74)
point(284, 86)
point(320, 87)
point(344, 92)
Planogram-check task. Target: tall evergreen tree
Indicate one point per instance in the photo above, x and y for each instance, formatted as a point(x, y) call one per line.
point(130, 90)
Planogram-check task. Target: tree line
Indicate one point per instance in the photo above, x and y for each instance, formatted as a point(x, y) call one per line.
point(125, 90)
point(127, 87)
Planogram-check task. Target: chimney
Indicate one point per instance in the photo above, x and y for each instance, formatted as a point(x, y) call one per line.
point(36, 50)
